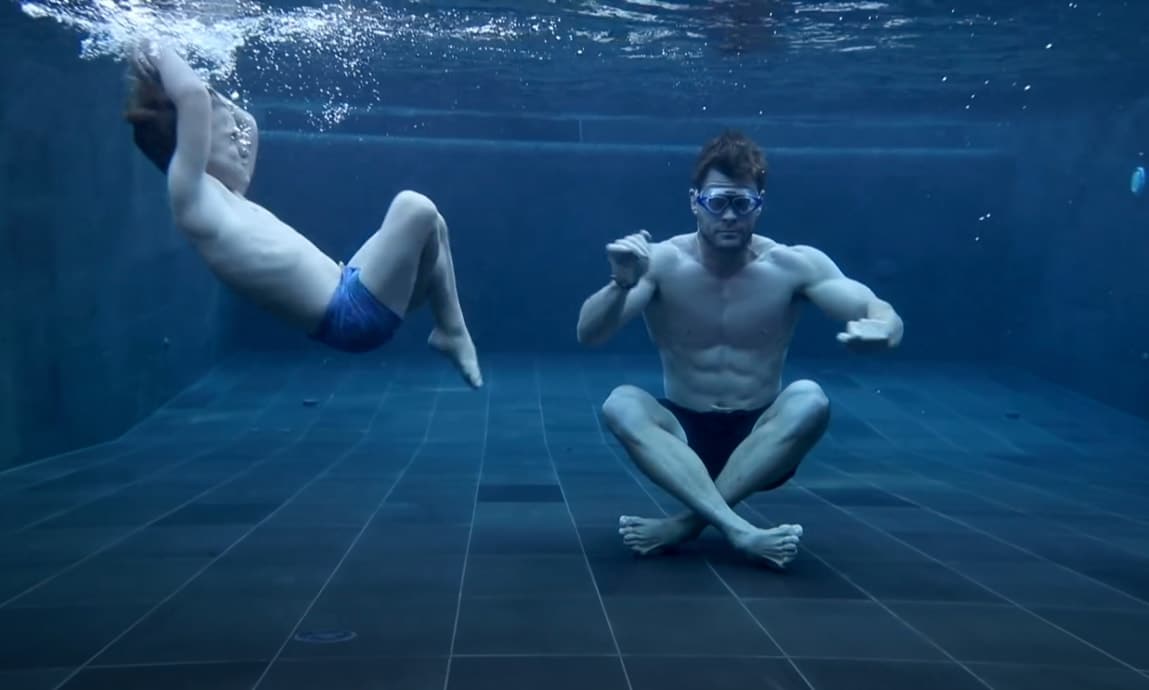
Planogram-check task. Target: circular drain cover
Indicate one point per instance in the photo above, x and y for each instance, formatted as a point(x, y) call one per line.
point(324, 636)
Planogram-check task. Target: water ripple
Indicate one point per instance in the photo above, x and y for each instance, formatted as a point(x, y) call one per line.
point(652, 56)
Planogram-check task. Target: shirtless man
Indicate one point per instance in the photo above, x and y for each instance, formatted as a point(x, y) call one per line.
point(721, 305)
point(206, 145)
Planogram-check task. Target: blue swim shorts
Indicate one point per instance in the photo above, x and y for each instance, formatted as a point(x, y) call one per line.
point(355, 321)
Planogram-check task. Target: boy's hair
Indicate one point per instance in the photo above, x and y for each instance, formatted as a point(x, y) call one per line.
point(153, 118)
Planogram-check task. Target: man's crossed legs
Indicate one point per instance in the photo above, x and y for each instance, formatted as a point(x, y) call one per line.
point(693, 466)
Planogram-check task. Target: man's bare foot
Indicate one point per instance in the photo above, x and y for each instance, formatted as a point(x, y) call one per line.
point(461, 351)
point(778, 545)
point(648, 535)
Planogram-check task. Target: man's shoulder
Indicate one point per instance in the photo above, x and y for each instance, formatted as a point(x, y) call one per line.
point(669, 251)
point(806, 264)
point(789, 255)
point(676, 242)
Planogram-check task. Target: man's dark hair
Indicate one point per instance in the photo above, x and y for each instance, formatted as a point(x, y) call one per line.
point(734, 155)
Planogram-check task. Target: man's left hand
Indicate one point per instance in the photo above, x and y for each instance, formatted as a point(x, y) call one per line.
point(867, 335)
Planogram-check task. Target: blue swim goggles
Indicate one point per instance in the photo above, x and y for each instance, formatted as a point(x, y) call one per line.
point(742, 203)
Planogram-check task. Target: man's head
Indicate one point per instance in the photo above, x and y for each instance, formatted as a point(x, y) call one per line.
point(727, 189)
point(234, 134)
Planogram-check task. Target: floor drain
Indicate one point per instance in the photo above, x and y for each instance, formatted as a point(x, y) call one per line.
point(324, 636)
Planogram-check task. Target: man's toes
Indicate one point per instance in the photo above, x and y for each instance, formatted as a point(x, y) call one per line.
point(640, 544)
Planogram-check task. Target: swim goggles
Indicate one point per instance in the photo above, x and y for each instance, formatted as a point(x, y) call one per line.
point(742, 203)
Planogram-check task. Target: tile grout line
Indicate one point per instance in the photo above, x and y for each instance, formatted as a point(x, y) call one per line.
point(355, 540)
point(123, 633)
point(957, 490)
point(1134, 520)
point(148, 447)
point(60, 456)
point(69, 472)
point(629, 470)
point(995, 502)
point(742, 604)
point(963, 576)
point(775, 657)
point(470, 534)
point(967, 577)
point(157, 474)
point(883, 605)
point(140, 528)
point(574, 526)
point(589, 655)
point(129, 452)
point(1080, 455)
point(961, 490)
point(109, 442)
point(649, 491)
point(971, 527)
point(741, 600)
point(1018, 483)
point(1083, 405)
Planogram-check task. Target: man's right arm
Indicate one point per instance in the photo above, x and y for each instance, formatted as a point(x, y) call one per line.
point(612, 307)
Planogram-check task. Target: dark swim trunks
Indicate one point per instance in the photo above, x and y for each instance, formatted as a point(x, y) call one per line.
point(715, 435)
point(355, 320)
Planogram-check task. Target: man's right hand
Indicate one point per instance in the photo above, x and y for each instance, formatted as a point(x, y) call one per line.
point(629, 258)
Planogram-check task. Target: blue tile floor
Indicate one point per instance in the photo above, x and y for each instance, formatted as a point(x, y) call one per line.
point(356, 523)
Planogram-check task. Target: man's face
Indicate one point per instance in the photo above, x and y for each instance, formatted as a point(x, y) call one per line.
point(727, 211)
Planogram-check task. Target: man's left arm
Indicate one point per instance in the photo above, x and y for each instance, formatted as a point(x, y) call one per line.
point(868, 318)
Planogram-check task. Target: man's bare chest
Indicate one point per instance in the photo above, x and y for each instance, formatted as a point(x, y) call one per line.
point(754, 305)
